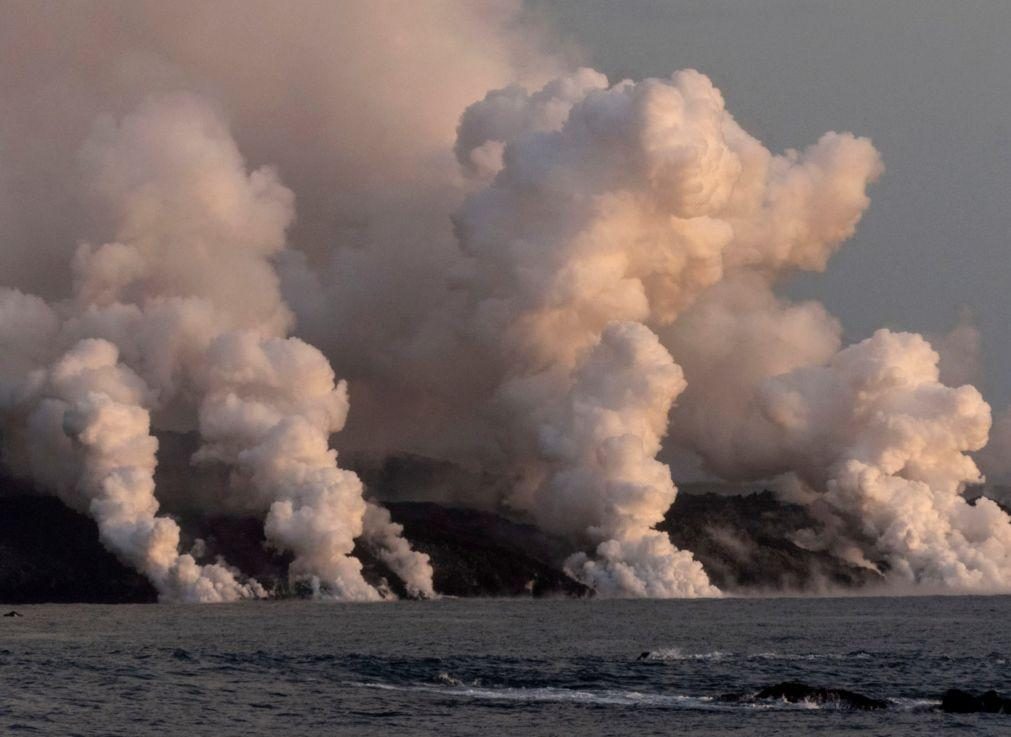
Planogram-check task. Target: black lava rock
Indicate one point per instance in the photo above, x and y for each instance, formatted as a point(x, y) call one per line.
point(483, 554)
point(745, 543)
point(956, 701)
point(795, 692)
point(50, 553)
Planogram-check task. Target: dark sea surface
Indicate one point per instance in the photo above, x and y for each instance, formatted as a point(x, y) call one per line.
point(494, 667)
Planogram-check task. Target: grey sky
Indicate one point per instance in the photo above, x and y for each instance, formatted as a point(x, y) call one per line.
point(928, 80)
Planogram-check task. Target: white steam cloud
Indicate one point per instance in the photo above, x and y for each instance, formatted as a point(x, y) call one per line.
point(181, 315)
point(531, 272)
point(869, 436)
point(613, 209)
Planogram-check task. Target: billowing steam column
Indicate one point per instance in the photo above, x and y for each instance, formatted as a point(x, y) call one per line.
point(887, 444)
point(87, 434)
point(602, 449)
point(601, 213)
point(180, 319)
point(868, 436)
point(269, 409)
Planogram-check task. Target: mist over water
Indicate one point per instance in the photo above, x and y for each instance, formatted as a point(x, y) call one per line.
point(458, 667)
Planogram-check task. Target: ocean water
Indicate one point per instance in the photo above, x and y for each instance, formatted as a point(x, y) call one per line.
point(496, 667)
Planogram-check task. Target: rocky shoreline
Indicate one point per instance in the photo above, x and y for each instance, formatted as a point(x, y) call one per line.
point(50, 553)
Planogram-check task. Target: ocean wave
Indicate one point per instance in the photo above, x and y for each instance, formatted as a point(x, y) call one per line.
point(915, 705)
point(852, 655)
point(610, 697)
point(673, 653)
point(676, 654)
point(448, 686)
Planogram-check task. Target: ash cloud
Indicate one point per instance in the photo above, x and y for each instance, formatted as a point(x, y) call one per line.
point(403, 228)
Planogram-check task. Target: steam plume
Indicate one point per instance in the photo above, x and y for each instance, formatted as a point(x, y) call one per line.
point(878, 444)
point(187, 294)
point(613, 209)
point(560, 281)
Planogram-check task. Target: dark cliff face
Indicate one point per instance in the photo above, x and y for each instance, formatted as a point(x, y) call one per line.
point(473, 553)
point(482, 554)
point(744, 543)
point(49, 553)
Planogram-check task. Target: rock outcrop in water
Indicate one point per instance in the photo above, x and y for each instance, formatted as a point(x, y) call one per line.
point(956, 701)
point(795, 692)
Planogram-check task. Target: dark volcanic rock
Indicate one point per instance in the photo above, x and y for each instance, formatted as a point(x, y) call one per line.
point(240, 542)
point(744, 542)
point(49, 553)
point(957, 701)
point(482, 554)
point(795, 692)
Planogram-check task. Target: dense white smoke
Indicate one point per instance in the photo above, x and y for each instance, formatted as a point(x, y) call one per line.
point(269, 409)
point(608, 210)
point(643, 199)
point(737, 336)
point(556, 282)
point(894, 442)
point(86, 429)
point(356, 103)
point(186, 297)
point(603, 474)
point(869, 436)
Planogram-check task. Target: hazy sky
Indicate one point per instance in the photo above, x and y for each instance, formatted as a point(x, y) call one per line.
point(928, 80)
